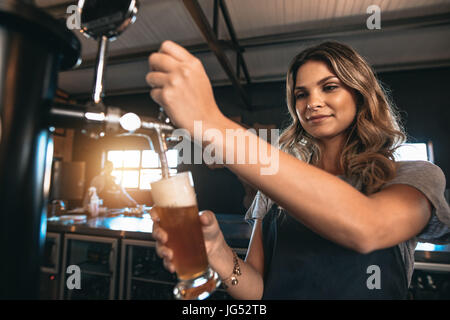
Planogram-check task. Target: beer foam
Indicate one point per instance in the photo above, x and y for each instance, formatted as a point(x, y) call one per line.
point(176, 191)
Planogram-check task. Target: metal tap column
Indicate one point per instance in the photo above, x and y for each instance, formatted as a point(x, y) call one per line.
point(33, 47)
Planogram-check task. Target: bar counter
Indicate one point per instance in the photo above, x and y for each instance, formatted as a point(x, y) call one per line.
point(116, 256)
point(236, 231)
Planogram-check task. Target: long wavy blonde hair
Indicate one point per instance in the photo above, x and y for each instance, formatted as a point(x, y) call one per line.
point(374, 134)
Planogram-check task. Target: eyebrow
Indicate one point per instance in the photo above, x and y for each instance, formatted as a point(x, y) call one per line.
point(318, 82)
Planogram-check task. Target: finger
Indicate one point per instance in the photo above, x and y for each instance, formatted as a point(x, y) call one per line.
point(156, 79)
point(160, 235)
point(207, 217)
point(175, 50)
point(169, 266)
point(157, 96)
point(164, 252)
point(154, 214)
point(161, 251)
point(159, 61)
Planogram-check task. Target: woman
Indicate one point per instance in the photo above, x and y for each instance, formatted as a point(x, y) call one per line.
point(347, 216)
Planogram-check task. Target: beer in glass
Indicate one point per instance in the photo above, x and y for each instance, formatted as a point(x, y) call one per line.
point(176, 204)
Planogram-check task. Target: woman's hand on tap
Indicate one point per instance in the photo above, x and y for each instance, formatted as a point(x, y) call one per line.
point(180, 85)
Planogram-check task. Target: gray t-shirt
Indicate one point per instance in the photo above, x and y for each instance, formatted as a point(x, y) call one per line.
point(422, 175)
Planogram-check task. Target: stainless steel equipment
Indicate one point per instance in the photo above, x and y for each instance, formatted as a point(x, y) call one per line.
point(104, 21)
point(33, 48)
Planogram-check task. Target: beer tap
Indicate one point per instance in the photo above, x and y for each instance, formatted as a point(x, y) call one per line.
point(131, 122)
point(104, 28)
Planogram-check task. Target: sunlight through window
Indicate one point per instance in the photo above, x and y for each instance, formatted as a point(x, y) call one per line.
point(136, 169)
point(411, 152)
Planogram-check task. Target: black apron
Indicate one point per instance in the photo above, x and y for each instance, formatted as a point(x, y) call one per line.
point(111, 194)
point(299, 264)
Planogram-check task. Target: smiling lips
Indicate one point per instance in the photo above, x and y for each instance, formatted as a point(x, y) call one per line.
point(318, 118)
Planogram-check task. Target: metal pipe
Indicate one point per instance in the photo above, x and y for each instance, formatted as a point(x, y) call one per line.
point(97, 94)
point(156, 126)
point(67, 113)
point(161, 148)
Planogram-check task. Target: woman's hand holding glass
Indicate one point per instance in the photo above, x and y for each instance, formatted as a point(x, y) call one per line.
point(213, 236)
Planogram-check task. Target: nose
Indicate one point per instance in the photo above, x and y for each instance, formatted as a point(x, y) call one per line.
point(314, 100)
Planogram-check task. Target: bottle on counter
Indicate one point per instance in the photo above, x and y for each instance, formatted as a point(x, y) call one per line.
point(94, 202)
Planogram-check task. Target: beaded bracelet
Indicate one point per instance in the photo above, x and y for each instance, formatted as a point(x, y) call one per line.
point(236, 272)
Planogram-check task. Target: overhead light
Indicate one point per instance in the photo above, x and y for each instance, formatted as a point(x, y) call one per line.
point(95, 116)
point(130, 121)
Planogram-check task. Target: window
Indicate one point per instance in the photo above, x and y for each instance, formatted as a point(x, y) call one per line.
point(414, 151)
point(136, 169)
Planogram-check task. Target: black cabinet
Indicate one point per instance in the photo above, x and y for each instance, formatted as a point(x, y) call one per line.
point(94, 260)
point(430, 281)
point(50, 274)
point(143, 275)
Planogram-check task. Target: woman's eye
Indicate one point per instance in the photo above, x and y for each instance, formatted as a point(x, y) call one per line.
point(300, 95)
point(329, 88)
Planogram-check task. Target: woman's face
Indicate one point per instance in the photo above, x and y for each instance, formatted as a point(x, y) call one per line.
point(325, 106)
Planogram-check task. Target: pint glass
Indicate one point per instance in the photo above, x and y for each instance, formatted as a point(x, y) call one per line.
point(176, 205)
